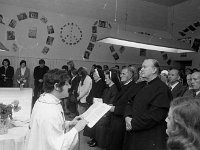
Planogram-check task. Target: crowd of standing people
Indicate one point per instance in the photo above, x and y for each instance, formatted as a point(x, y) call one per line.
point(150, 109)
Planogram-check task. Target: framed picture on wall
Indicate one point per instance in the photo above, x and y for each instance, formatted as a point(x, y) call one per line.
point(90, 46)
point(49, 40)
point(13, 23)
point(112, 49)
point(93, 38)
point(10, 35)
point(45, 50)
point(32, 32)
point(115, 56)
point(143, 52)
point(94, 29)
point(50, 29)
point(33, 15)
point(86, 55)
point(121, 49)
point(43, 19)
point(22, 16)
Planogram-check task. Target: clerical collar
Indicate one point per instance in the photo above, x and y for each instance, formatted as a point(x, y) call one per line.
point(48, 98)
point(149, 82)
point(173, 86)
point(128, 82)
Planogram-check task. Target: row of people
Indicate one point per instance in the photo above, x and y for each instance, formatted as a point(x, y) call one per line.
point(136, 119)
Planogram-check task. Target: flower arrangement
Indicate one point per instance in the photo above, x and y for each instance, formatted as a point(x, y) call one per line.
point(21, 81)
point(6, 115)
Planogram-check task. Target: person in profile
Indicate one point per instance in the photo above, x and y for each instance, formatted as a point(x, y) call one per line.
point(48, 128)
point(183, 124)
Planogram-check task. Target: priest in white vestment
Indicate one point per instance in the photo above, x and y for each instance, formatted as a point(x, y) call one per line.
point(48, 128)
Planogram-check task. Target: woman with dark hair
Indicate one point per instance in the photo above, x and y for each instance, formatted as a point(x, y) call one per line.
point(85, 85)
point(102, 131)
point(22, 75)
point(48, 128)
point(6, 74)
point(183, 124)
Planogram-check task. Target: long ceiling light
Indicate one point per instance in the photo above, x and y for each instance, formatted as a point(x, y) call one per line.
point(148, 42)
point(2, 47)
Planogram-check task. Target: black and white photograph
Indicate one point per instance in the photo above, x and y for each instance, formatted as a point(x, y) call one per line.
point(94, 29)
point(90, 46)
point(13, 23)
point(45, 50)
point(33, 15)
point(143, 52)
point(22, 16)
point(10, 35)
point(32, 33)
point(112, 49)
point(115, 56)
point(50, 40)
point(93, 38)
point(86, 55)
point(44, 19)
point(50, 29)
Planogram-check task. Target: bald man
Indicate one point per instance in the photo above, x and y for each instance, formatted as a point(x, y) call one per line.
point(145, 116)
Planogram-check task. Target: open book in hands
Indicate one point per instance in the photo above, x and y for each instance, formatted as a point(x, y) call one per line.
point(95, 112)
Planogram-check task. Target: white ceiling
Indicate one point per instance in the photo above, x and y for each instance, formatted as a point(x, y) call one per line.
point(166, 15)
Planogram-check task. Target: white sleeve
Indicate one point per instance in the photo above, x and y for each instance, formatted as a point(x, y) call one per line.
point(56, 139)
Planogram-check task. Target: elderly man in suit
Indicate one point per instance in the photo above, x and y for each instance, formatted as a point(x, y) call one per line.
point(145, 116)
point(176, 87)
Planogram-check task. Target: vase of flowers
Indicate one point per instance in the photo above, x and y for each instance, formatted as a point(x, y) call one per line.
point(6, 115)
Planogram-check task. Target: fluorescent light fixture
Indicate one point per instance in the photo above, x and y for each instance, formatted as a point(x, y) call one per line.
point(145, 41)
point(2, 47)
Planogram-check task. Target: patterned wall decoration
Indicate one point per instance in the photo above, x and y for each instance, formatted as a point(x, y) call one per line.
point(30, 30)
point(71, 34)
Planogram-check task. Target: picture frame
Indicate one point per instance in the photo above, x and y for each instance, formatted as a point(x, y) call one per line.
point(115, 56)
point(49, 40)
point(33, 15)
point(93, 38)
point(13, 23)
point(90, 46)
point(50, 29)
point(45, 50)
point(86, 55)
point(32, 33)
point(10, 35)
point(22, 16)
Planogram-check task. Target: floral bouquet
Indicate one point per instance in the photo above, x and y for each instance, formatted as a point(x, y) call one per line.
point(21, 81)
point(6, 115)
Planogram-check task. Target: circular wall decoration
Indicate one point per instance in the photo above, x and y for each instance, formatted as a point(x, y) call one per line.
point(29, 29)
point(71, 33)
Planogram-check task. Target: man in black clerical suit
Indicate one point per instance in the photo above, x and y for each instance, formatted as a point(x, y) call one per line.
point(118, 126)
point(176, 87)
point(145, 116)
point(38, 74)
point(6, 74)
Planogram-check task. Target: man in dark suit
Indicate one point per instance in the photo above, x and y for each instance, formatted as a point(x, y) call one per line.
point(6, 74)
point(176, 87)
point(145, 116)
point(118, 126)
point(38, 74)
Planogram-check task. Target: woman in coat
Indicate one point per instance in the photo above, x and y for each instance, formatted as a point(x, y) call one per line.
point(22, 75)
